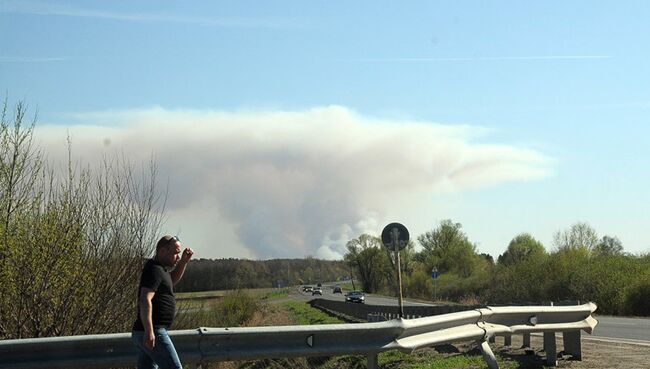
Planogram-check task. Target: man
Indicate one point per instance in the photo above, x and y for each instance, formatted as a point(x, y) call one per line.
point(157, 305)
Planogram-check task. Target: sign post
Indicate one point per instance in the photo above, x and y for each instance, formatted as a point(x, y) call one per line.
point(395, 237)
point(434, 276)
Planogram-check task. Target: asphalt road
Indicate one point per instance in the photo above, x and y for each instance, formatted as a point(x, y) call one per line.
point(609, 327)
point(370, 299)
point(635, 329)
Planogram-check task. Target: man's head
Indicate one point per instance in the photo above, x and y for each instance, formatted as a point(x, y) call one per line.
point(168, 250)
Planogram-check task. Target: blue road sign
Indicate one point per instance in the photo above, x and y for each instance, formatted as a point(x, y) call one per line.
point(435, 275)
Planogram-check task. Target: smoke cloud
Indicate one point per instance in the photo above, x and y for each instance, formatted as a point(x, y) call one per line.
point(267, 184)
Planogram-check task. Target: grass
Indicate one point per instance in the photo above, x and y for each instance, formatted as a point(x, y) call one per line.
point(431, 359)
point(233, 310)
point(304, 314)
point(276, 294)
point(222, 293)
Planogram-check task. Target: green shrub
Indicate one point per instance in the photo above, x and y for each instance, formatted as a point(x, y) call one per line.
point(236, 308)
point(637, 298)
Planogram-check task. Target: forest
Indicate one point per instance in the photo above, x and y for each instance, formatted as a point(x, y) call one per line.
point(229, 274)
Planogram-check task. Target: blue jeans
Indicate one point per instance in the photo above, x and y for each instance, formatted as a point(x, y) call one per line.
point(163, 355)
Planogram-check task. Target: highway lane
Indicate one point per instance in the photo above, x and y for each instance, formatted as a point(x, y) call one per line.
point(623, 328)
point(370, 299)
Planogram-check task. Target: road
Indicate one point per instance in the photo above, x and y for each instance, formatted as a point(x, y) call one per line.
point(635, 329)
point(632, 330)
point(370, 299)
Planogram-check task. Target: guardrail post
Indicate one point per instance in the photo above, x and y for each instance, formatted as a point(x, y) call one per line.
point(573, 344)
point(526, 340)
point(372, 361)
point(550, 348)
point(488, 355)
point(507, 340)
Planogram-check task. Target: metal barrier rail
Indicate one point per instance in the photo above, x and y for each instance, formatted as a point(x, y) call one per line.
point(361, 311)
point(206, 345)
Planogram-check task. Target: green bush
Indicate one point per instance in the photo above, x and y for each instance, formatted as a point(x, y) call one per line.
point(236, 308)
point(637, 298)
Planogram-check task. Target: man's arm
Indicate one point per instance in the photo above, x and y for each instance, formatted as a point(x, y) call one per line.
point(177, 273)
point(146, 308)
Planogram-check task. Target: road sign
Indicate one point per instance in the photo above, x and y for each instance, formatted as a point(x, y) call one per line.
point(395, 237)
point(435, 274)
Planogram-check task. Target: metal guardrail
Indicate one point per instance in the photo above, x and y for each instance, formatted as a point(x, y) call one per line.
point(361, 311)
point(206, 345)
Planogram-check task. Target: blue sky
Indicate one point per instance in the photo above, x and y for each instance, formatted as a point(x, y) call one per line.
point(508, 116)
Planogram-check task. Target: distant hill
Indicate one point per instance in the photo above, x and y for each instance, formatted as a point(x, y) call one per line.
point(226, 274)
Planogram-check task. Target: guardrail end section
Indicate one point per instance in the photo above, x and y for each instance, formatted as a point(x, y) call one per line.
point(488, 355)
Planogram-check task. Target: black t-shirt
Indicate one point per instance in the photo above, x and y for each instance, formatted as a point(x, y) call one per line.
point(156, 278)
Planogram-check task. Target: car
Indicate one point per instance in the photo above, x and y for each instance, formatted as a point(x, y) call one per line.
point(337, 289)
point(308, 288)
point(317, 291)
point(355, 296)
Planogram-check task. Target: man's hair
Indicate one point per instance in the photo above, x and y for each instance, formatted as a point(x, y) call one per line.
point(164, 241)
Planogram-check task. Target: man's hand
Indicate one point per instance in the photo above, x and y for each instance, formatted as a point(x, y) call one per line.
point(187, 255)
point(149, 340)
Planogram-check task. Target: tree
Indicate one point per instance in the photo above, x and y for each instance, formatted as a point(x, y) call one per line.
point(609, 246)
point(370, 261)
point(521, 248)
point(448, 249)
point(578, 236)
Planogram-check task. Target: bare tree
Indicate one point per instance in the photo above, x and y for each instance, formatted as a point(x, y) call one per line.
point(72, 243)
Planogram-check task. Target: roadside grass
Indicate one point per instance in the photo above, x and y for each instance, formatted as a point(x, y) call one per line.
point(222, 293)
point(278, 293)
point(436, 360)
point(304, 314)
point(200, 294)
point(235, 309)
point(209, 299)
point(421, 359)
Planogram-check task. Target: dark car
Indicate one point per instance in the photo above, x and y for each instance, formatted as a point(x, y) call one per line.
point(317, 291)
point(337, 289)
point(355, 296)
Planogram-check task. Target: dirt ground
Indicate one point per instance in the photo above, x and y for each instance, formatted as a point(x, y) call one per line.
point(596, 354)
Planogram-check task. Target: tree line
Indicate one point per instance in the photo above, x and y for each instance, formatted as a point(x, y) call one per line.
point(582, 266)
point(230, 274)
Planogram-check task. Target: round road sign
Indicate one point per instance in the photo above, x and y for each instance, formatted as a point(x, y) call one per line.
point(395, 237)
